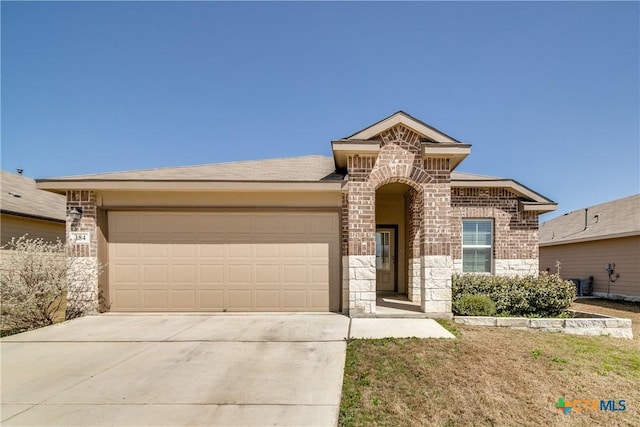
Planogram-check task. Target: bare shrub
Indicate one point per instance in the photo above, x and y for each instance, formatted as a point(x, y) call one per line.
point(35, 278)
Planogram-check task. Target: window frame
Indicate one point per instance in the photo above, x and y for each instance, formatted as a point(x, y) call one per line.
point(491, 246)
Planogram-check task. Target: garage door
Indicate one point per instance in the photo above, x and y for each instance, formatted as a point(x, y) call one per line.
point(223, 261)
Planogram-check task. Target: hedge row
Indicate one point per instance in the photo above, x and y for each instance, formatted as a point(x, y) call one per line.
point(546, 295)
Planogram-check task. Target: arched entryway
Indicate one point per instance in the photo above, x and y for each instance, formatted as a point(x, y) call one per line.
point(398, 214)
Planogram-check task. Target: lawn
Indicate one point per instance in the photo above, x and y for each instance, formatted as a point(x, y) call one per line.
point(492, 376)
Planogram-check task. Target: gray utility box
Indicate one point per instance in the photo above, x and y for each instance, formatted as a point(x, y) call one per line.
point(583, 287)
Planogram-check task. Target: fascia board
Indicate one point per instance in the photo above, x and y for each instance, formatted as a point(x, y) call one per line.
point(62, 186)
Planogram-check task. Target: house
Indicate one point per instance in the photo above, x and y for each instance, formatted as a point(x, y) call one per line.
point(600, 242)
point(26, 210)
point(387, 213)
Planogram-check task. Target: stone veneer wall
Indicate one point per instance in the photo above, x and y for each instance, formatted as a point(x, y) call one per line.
point(515, 250)
point(82, 294)
point(437, 263)
point(599, 325)
point(359, 248)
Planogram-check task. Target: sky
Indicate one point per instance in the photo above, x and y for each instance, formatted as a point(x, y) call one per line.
point(547, 93)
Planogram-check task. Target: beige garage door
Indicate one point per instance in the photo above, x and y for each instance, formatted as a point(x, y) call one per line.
point(226, 261)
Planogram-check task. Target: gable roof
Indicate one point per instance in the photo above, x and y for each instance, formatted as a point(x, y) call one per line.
point(400, 117)
point(21, 197)
point(367, 141)
point(288, 169)
point(531, 200)
point(312, 169)
point(304, 173)
point(618, 218)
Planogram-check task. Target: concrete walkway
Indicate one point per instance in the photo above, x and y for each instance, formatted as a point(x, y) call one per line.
point(186, 369)
point(376, 328)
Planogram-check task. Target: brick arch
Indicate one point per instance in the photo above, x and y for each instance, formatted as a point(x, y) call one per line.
point(404, 174)
point(400, 134)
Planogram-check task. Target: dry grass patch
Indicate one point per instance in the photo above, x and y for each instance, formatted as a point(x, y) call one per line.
point(488, 376)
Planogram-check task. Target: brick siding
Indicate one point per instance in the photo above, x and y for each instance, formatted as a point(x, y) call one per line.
point(85, 200)
point(515, 230)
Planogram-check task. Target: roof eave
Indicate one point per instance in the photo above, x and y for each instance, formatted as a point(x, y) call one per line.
point(343, 149)
point(591, 238)
point(518, 188)
point(61, 186)
point(457, 152)
point(32, 216)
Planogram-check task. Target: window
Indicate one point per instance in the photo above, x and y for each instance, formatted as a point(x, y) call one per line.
point(476, 245)
point(383, 258)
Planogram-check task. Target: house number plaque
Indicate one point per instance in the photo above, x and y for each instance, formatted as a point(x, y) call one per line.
point(79, 237)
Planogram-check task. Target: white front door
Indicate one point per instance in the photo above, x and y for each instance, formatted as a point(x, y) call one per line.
point(385, 259)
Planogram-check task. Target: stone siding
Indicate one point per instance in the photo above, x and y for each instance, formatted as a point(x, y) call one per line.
point(359, 275)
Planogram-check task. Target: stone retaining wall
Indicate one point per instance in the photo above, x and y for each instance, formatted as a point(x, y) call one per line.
point(612, 326)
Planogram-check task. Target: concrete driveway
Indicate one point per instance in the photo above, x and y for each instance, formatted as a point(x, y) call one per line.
point(176, 370)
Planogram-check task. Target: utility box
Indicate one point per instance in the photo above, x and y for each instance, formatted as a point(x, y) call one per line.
point(583, 287)
point(586, 286)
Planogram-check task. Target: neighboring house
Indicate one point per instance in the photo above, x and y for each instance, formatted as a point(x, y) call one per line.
point(587, 241)
point(26, 210)
point(386, 213)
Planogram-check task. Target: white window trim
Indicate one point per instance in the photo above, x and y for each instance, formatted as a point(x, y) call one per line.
point(491, 246)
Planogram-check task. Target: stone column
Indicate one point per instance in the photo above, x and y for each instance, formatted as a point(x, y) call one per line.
point(82, 294)
point(437, 264)
point(359, 262)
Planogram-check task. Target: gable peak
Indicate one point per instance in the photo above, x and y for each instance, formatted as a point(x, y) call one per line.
point(407, 121)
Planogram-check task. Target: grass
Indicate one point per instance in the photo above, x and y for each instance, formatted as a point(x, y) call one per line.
point(490, 376)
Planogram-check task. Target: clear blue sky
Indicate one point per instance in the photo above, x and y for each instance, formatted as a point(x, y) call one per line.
point(547, 93)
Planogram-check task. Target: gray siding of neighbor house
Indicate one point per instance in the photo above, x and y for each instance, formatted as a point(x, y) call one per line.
point(584, 259)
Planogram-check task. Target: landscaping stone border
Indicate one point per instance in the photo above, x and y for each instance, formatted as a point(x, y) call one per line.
point(596, 325)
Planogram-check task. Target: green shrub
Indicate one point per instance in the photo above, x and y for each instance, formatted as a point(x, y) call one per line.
point(474, 305)
point(546, 295)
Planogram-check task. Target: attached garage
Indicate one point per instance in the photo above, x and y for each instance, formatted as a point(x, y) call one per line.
point(223, 261)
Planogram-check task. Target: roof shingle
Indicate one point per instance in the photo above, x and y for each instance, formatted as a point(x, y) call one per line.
point(21, 197)
point(617, 218)
point(302, 169)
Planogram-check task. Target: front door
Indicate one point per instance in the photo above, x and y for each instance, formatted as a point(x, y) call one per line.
point(385, 259)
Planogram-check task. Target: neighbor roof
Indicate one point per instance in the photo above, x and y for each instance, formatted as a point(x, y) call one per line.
point(618, 218)
point(21, 197)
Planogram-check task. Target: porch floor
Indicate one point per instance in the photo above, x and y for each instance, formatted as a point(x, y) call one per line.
point(397, 305)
